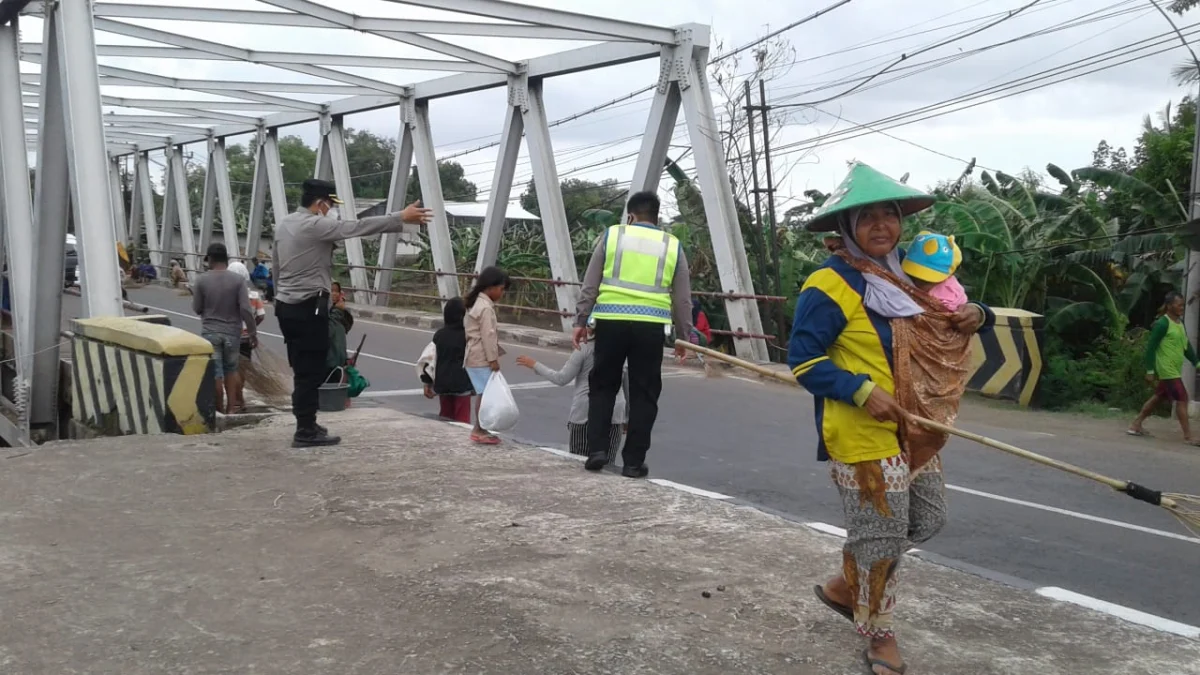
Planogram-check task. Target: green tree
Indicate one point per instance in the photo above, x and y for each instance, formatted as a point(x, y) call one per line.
point(370, 157)
point(581, 196)
point(455, 186)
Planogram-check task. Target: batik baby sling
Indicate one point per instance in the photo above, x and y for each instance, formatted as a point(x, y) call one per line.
point(930, 364)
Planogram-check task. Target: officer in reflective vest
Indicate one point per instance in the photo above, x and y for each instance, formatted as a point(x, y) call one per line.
point(636, 285)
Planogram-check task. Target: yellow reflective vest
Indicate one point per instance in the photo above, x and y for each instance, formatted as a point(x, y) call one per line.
point(639, 265)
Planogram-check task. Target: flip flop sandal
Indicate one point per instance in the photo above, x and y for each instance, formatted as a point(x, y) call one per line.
point(1134, 432)
point(873, 663)
point(841, 609)
point(485, 440)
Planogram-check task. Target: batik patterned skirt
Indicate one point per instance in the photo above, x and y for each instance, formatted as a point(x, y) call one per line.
point(887, 512)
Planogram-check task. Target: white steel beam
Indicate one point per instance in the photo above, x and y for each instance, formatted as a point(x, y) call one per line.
point(170, 217)
point(335, 144)
point(17, 212)
point(239, 54)
point(118, 200)
point(170, 121)
point(660, 128)
point(258, 197)
point(175, 106)
point(563, 63)
point(270, 58)
point(346, 20)
point(208, 200)
point(183, 205)
point(87, 157)
point(52, 199)
point(274, 165)
point(510, 11)
point(431, 194)
point(397, 195)
point(362, 23)
point(550, 203)
point(173, 83)
point(220, 171)
point(720, 210)
point(502, 178)
point(324, 88)
point(144, 195)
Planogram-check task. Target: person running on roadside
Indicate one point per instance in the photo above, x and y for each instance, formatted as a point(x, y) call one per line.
point(221, 299)
point(577, 371)
point(483, 339)
point(449, 381)
point(1166, 349)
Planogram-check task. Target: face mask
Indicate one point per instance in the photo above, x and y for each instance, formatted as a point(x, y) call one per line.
point(334, 212)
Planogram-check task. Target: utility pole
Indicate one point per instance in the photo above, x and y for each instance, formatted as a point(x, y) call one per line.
point(760, 252)
point(780, 319)
point(758, 216)
point(1191, 317)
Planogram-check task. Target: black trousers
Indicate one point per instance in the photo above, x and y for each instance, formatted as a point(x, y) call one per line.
point(640, 344)
point(305, 327)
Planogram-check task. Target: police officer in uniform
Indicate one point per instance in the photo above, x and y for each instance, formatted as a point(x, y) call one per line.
point(304, 243)
point(636, 285)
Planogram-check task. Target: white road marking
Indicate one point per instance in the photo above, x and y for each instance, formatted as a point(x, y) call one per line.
point(1121, 612)
point(561, 453)
point(689, 489)
point(1052, 592)
point(828, 529)
point(279, 337)
point(1075, 514)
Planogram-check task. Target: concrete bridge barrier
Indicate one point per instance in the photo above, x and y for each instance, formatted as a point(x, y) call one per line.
point(134, 375)
point(1007, 362)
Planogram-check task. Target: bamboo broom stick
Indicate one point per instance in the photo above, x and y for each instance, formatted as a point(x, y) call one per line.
point(1181, 506)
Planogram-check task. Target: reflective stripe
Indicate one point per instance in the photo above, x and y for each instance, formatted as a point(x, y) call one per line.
point(645, 247)
point(629, 285)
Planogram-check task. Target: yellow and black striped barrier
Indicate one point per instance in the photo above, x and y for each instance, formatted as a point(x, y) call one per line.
point(135, 376)
point(1006, 362)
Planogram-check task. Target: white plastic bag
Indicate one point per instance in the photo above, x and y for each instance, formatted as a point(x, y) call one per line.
point(498, 410)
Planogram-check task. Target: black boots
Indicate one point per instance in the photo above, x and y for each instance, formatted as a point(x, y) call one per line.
point(315, 436)
point(639, 471)
point(596, 461)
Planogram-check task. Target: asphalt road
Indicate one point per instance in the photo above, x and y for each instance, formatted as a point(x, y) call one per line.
point(757, 443)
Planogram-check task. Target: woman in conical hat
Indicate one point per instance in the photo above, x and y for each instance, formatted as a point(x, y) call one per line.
point(859, 323)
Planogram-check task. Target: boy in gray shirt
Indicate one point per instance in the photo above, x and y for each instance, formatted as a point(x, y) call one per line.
point(221, 299)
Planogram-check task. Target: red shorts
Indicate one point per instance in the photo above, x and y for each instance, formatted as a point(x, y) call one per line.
point(1172, 390)
point(457, 408)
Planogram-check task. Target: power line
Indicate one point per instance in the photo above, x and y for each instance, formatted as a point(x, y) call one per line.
point(925, 66)
point(938, 109)
point(936, 45)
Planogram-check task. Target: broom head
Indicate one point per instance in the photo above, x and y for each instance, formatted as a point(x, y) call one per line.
point(268, 375)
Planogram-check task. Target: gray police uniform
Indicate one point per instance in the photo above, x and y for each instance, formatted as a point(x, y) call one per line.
point(304, 243)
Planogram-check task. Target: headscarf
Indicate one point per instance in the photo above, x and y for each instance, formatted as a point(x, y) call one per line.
point(881, 296)
point(238, 268)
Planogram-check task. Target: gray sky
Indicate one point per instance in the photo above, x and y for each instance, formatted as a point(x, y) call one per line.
point(1061, 123)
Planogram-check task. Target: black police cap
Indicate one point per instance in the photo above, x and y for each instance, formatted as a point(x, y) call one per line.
point(321, 189)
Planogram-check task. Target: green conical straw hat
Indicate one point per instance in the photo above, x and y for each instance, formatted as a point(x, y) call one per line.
point(862, 186)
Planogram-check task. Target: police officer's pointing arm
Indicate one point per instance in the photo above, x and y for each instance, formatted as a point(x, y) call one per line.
point(325, 228)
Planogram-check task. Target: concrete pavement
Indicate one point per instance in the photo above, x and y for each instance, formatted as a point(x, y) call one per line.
point(755, 443)
point(407, 550)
